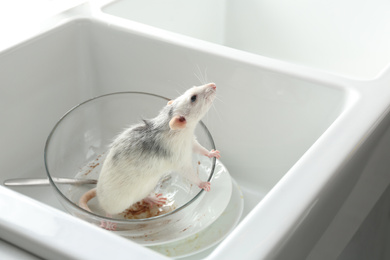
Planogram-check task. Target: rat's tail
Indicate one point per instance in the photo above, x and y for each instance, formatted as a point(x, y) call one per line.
point(87, 197)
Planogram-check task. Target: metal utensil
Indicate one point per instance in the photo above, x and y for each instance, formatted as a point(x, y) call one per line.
point(45, 181)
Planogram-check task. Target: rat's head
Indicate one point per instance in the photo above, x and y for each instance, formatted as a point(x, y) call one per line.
point(190, 107)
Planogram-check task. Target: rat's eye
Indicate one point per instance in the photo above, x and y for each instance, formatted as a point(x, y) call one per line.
point(193, 98)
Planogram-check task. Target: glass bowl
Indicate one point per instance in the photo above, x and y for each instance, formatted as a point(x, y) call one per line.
point(78, 143)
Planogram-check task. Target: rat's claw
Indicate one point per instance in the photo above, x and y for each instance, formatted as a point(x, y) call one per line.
point(108, 225)
point(214, 153)
point(205, 185)
point(155, 199)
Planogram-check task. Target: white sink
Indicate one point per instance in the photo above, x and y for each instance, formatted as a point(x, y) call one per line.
point(343, 37)
point(300, 142)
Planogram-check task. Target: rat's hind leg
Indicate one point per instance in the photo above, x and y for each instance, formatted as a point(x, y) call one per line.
point(205, 185)
point(193, 176)
point(155, 199)
point(108, 224)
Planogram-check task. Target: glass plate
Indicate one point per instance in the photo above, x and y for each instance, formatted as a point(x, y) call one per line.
point(211, 236)
point(207, 211)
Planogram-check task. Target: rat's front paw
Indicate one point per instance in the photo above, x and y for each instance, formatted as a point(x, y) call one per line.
point(205, 185)
point(214, 153)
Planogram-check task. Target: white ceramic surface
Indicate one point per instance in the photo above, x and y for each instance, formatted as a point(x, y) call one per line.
point(344, 37)
point(306, 146)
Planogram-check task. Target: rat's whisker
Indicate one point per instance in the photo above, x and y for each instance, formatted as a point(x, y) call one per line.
point(219, 99)
point(205, 76)
point(202, 78)
point(217, 113)
point(181, 86)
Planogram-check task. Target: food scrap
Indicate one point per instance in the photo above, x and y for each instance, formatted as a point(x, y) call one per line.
point(141, 210)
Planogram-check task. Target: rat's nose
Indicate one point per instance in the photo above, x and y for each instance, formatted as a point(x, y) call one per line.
point(212, 85)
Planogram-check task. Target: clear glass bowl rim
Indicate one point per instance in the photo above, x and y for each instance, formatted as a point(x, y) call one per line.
point(124, 221)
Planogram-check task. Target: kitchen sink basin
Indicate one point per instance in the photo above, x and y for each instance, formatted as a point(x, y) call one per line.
point(297, 139)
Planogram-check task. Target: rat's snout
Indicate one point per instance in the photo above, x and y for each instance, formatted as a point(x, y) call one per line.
point(208, 86)
point(210, 90)
point(212, 85)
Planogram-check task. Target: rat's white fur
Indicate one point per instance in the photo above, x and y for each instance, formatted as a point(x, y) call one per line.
point(142, 154)
point(125, 182)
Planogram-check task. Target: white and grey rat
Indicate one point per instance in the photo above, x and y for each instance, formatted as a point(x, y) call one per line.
point(143, 153)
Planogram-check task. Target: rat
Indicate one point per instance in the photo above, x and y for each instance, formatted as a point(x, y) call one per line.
point(145, 152)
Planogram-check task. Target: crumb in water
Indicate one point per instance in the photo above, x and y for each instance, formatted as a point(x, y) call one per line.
point(91, 167)
point(141, 210)
point(186, 228)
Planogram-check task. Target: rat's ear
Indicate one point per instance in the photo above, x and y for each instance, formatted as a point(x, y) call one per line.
point(170, 102)
point(177, 122)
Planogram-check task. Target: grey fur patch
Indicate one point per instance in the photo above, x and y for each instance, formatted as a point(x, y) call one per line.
point(142, 142)
point(170, 113)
